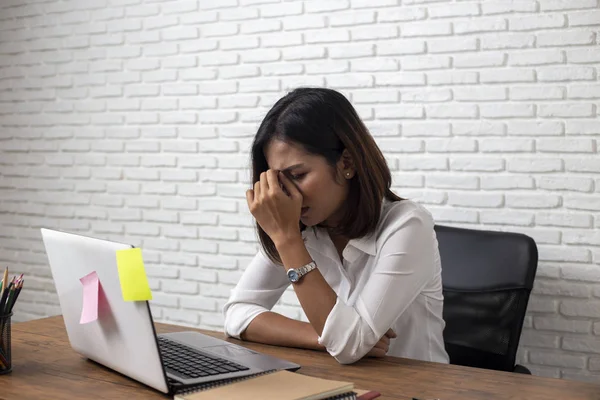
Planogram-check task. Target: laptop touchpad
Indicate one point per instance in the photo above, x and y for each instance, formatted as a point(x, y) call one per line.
point(230, 351)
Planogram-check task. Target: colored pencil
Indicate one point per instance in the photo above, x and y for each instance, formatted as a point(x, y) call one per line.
point(18, 291)
point(4, 279)
point(9, 300)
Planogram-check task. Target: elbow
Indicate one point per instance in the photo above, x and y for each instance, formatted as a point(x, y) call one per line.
point(229, 326)
point(238, 316)
point(349, 354)
point(346, 336)
point(347, 359)
point(228, 329)
point(350, 349)
point(232, 329)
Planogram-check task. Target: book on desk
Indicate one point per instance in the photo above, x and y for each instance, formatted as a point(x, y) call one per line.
point(280, 385)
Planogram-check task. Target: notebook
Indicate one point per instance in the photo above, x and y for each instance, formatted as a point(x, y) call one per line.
point(280, 385)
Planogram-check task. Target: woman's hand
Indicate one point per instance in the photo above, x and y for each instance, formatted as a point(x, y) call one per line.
point(382, 347)
point(277, 213)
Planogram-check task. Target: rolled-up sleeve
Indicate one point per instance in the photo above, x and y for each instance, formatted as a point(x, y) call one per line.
point(405, 263)
point(260, 287)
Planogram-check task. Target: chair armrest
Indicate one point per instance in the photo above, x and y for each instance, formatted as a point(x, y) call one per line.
point(519, 369)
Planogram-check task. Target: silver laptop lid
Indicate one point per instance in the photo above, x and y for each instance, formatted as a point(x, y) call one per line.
point(123, 337)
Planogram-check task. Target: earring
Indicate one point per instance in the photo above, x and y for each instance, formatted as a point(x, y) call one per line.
point(347, 174)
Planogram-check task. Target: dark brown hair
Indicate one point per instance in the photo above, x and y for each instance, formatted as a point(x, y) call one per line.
point(323, 122)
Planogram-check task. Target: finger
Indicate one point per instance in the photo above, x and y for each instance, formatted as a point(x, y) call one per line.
point(264, 185)
point(385, 340)
point(250, 197)
point(391, 334)
point(383, 343)
point(273, 181)
point(385, 347)
point(375, 352)
point(289, 185)
point(257, 192)
point(382, 346)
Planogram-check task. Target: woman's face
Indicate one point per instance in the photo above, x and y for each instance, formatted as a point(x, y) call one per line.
point(323, 195)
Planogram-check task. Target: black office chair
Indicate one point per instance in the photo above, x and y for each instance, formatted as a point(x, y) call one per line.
point(487, 277)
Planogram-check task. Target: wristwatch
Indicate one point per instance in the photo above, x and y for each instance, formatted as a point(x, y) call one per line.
point(294, 274)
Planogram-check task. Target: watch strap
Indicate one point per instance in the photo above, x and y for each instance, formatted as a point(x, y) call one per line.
point(305, 269)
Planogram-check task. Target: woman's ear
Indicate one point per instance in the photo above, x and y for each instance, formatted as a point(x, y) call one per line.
point(346, 165)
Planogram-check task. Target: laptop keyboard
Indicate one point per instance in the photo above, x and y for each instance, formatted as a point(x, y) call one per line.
point(190, 363)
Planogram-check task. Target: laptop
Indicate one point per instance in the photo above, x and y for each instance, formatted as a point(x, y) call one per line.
point(123, 337)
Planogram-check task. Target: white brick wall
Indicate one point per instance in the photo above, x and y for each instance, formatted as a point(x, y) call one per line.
point(132, 122)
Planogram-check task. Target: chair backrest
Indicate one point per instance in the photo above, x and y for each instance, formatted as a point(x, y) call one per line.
point(487, 278)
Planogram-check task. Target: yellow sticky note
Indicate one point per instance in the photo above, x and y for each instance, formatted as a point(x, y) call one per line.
point(132, 274)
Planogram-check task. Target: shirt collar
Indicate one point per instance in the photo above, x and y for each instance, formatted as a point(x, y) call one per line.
point(313, 239)
point(366, 244)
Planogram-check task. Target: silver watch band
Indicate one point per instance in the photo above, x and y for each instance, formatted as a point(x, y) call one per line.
point(295, 274)
point(305, 269)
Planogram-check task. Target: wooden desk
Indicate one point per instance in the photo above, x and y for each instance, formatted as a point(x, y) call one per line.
point(45, 367)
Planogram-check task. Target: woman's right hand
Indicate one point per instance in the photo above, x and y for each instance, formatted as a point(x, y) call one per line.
point(382, 347)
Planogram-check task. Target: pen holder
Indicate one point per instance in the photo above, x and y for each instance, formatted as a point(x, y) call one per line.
point(5, 357)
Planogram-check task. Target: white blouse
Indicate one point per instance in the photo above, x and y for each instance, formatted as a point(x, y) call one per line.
point(389, 279)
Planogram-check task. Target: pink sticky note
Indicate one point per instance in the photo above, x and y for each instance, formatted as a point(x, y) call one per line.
point(89, 312)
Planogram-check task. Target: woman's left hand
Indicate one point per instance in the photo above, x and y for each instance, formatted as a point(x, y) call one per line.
point(277, 213)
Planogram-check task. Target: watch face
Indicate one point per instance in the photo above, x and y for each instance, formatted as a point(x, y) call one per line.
point(293, 275)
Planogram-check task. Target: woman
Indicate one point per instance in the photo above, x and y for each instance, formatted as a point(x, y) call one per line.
point(363, 262)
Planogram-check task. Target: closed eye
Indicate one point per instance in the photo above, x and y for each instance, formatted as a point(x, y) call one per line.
point(297, 177)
